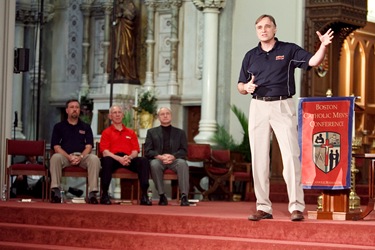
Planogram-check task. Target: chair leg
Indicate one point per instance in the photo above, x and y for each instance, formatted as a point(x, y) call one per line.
point(7, 188)
point(138, 192)
point(87, 187)
point(231, 185)
point(43, 189)
point(132, 193)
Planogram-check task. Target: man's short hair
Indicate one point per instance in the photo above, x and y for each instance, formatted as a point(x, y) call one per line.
point(157, 112)
point(71, 100)
point(116, 105)
point(263, 16)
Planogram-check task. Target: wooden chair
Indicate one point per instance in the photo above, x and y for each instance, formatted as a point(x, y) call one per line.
point(74, 171)
point(172, 176)
point(241, 173)
point(219, 169)
point(26, 148)
point(198, 154)
point(123, 173)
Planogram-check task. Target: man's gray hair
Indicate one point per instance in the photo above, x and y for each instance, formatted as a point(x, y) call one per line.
point(116, 105)
point(163, 108)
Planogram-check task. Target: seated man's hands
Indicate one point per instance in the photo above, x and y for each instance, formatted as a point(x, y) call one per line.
point(124, 160)
point(166, 158)
point(74, 159)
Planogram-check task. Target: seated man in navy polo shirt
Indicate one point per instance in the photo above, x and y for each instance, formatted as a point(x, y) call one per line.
point(72, 141)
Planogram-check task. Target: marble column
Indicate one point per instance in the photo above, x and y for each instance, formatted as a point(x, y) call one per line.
point(85, 8)
point(107, 26)
point(150, 41)
point(7, 31)
point(17, 87)
point(208, 124)
point(34, 78)
point(173, 85)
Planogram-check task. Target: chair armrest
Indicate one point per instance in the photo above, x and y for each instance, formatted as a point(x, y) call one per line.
point(242, 167)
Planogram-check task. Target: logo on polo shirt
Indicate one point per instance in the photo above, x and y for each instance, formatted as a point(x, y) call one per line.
point(278, 58)
point(82, 132)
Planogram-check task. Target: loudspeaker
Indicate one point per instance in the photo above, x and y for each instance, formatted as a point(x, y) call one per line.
point(21, 60)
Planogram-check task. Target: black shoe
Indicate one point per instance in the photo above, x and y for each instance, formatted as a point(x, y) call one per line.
point(145, 201)
point(184, 200)
point(75, 191)
point(163, 201)
point(105, 199)
point(92, 200)
point(55, 199)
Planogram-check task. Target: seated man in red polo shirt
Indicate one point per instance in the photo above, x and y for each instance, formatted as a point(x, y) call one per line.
point(119, 146)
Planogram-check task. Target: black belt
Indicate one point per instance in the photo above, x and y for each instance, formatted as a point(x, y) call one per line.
point(272, 98)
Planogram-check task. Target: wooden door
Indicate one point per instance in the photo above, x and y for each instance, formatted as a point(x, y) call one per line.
point(193, 118)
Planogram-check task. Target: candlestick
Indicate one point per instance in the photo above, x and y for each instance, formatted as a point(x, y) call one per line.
point(136, 98)
point(135, 118)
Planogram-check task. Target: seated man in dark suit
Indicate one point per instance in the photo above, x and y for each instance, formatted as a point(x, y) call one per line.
point(166, 147)
point(119, 146)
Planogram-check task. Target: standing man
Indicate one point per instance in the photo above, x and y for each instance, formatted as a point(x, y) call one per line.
point(267, 73)
point(72, 141)
point(166, 147)
point(119, 146)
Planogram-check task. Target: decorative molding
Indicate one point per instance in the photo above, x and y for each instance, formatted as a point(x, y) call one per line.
point(74, 72)
point(29, 13)
point(163, 4)
point(202, 4)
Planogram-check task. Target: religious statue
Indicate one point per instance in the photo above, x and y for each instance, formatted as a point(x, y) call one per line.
point(124, 41)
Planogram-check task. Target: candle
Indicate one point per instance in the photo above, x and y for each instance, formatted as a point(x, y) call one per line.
point(353, 124)
point(136, 97)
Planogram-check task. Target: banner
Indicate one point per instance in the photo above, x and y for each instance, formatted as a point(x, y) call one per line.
point(325, 139)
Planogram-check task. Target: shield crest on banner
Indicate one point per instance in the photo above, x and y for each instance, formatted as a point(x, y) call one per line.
point(326, 150)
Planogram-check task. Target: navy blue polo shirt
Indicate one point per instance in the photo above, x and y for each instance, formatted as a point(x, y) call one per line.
point(72, 138)
point(274, 70)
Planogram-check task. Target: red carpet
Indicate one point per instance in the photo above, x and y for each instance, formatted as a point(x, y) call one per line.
point(209, 225)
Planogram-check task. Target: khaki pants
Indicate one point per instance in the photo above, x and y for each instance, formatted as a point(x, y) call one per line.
point(279, 116)
point(90, 162)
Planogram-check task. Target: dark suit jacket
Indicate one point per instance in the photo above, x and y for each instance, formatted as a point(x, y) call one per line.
point(154, 143)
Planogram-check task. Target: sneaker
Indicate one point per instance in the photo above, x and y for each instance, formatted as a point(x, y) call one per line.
point(259, 215)
point(184, 200)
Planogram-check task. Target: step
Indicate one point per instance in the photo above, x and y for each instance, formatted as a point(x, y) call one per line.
point(47, 237)
point(11, 245)
point(82, 218)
